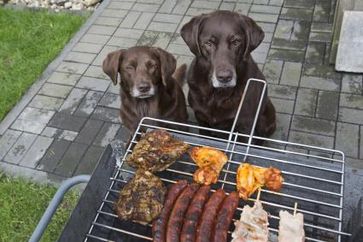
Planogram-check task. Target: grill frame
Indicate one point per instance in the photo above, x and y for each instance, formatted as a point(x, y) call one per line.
point(333, 161)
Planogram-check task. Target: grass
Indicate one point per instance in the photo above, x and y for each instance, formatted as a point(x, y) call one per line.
point(23, 203)
point(29, 41)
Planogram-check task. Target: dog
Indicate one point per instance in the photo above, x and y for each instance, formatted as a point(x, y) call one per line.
point(222, 42)
point(150, 84)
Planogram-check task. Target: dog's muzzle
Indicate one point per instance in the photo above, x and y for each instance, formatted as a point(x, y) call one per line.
point(225, 78)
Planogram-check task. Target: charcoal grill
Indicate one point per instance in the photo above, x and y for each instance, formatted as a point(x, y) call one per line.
point(314, 178)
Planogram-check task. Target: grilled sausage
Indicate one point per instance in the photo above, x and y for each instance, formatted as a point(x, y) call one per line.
point(224, 217)
point(193, 213)
point(207, 221)
point(175, 222)
point(159, 224)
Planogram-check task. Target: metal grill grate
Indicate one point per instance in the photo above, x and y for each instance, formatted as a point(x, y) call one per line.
point(314, 178)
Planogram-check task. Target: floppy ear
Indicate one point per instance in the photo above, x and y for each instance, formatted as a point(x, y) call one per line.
point(111, 64)
point(190, 33)
point(167, 64)
point(254, 34)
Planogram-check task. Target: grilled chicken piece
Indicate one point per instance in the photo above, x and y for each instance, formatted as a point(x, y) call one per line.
point(291, 227)
point(156, 151)
point(142, 198)
point(250, 178)
point(210, 162)
point(252, 225)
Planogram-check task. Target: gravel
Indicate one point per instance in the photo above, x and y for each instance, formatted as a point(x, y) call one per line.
point(56, 5)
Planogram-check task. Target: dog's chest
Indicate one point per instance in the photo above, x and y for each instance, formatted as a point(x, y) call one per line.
point(146, 109)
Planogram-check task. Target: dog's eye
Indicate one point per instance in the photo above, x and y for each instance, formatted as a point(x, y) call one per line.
point(236, 42)
point(129, 67)
point(208, 43)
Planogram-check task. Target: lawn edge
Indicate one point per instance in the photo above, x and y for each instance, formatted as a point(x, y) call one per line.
point(35, 87)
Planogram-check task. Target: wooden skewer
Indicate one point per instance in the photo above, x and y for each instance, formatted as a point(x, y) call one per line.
point(295, 208)
point(258, 194)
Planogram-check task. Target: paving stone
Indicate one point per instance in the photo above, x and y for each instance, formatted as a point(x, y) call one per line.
point(315, 53)
point(299, 4)
point(74, 68)
point(96, 72)
point(267, 27)
point(296, 14)
point(106, 114)
point(306, 101)
point(179, 50)
point(325, 71)
point(36, 152)
point(94, 84)
point(284, 92)
point(205, 4)
point(7, 141)
point(268, 38)
point(264, 9)
point(301, 30)
point(283, 105)
point(168, 18)
point(148, 38)
point(352, 84)
point(144, 20)
point(184, 21)
point(123, 134)
point(65, 121)
point(68, 164)
point(320, 36)
point(284, 29)
point(89, 131)
point(322, 11)
point(53, 155)
point(55, 133)
point(100, 29)
point(63, 78)
point(197, 11)
point(351, 115)
point(311, 139)
point(282, 126)
point(242, 8)
point(115, 89)
point(55, 90)
point(21, 146)
point(107, 21)
point(313, 125)
point(80, 57)
point(321, 27)
point(227, 6)
point(95, 39)
point(114, 13)
point(110, 100)
point(128, 33)
point(106, 134)
point(162, 40)
point(31, 126)
point(73, 100)
point(45, 102)
point(167, 6)
point(165, 27)
point(351, 101)
point(291, 74)
point(181, 7)
point(122, 43)
point(259, 57)
point(89, 161)
point(88, 104)
point(103, 54)
point(320, 83)
point(184, 60)
point(146, 7)
point(120, 5)
point(286, 55)
point(347, 139)
point(288, 44)
point(35, 114)
point(361, 142)
point(272, 70)
point(262, 17)
point(130, 19)
point(88, 47)
point(327, 105)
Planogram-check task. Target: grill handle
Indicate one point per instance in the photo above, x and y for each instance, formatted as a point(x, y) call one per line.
point(53, 205)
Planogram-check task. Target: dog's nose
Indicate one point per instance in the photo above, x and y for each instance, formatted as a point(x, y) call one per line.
point(224, 75)
point(144, 87)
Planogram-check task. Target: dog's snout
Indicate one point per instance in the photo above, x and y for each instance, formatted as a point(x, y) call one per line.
point(144, 87)
point(224, 75)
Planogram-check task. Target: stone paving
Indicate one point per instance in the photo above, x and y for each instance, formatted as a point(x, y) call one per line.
point(65, 127)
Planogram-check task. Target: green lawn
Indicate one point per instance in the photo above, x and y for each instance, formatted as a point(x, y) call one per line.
point(23, 203)
point(29, 41)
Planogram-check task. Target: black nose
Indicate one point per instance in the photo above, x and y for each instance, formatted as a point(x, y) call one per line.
point(144, 87)
point(224, 75)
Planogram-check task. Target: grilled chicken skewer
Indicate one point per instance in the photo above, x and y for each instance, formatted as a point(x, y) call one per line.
point(291, 227)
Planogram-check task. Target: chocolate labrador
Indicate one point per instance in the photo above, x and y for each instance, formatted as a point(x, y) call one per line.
point(222, 42)
point(150, 85)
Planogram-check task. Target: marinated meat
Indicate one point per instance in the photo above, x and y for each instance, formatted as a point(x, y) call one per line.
point(291, 227)
point(156, 151)
point(142, 198)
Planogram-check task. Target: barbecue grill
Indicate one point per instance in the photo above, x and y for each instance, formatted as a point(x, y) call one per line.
point(314, 178)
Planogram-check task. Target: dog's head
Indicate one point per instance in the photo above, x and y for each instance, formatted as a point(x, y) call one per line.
point(225, 39)
point(142, 69)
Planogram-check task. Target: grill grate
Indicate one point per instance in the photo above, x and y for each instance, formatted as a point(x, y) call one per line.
point(314, 178)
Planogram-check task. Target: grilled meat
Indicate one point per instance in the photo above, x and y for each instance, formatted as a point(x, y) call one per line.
point(142, 198)
point(291, 227)
point(156, 151)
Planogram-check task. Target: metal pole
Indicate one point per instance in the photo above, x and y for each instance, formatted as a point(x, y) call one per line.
point(53, 205)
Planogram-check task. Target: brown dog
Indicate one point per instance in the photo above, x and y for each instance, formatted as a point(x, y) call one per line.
point(222, 42)
point(148, 87)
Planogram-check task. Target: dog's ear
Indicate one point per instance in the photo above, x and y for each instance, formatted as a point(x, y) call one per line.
point(190, 33)
point(167, 64)
point(254, 34)
point(111, 64)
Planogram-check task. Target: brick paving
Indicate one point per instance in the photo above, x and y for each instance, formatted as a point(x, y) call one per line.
point(67, 124)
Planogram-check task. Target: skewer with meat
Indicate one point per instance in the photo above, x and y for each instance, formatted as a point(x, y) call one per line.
point(175, 222)
point(159, 225)
point(291, 227)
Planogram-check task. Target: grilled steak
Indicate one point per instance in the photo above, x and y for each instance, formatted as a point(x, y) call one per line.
point(142, 198)
point(156, 151)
